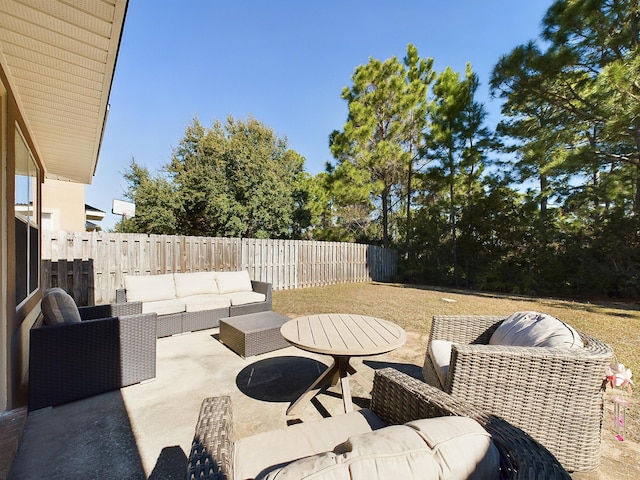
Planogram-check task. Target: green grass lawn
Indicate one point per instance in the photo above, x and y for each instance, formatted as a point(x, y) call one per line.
point(412, 306)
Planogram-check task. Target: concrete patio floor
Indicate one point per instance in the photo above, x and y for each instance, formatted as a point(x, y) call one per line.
point(144, 431)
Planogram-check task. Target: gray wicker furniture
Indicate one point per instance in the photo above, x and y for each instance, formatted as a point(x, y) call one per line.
point(253, 333)
point(396, 398)
point(182, 322)
point(553, 394)
point(107, 350)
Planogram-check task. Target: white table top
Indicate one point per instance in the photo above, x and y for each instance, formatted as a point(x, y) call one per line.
point(343, 334)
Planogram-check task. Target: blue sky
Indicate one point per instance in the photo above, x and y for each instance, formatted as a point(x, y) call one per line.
point(283, 62)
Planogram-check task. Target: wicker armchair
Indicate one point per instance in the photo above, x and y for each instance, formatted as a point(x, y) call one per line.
point(555, 395)
point(396, 398)
point(77, 360)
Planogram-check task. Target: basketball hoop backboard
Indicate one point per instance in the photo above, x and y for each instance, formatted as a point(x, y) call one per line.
point(126, 209)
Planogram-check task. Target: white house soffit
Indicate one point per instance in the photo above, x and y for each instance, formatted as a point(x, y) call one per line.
point(61, 58)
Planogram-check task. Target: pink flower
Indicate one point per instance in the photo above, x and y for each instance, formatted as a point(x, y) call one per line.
point(619, 376)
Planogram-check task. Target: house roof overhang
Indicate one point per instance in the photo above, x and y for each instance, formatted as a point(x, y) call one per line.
point(60, 59)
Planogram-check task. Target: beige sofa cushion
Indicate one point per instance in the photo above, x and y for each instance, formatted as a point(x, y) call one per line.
point(242, 298)
point(163, 307)
point(533, 329)
point(229, 282)
point(263, 452)
point(439, 353)
point(198, 303)
point(195, 283)
point(430, 449)
point(149, 288)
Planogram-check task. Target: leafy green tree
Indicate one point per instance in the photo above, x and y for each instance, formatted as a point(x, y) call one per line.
point(154, 200)
point(458, 142)
point(379, 137)
point(235, 179)
point(586, 78)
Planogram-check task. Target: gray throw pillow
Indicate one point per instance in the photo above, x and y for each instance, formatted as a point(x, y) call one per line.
point(59, 307)
point(533, 329)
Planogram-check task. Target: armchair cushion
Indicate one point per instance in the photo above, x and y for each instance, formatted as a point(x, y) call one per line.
point(59, 307)
point(436, 448)
point(533, 329)
point(440, 354)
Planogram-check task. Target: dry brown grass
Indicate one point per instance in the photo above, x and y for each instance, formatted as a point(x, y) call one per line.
point(412, 307)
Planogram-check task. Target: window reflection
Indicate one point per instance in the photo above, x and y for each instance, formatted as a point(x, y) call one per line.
point(27, 244)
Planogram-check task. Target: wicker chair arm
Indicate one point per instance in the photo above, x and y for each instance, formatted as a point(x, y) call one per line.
point(263, 287)
point(464, 328)
point(121, 295)
point(211, 456)
point(485, 367)
point(398, 398)
point(110, 310)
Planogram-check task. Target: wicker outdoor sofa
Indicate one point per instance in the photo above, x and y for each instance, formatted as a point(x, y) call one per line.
point(108, 349)
point(553, 394)
point(396, 399)
point(186, 302)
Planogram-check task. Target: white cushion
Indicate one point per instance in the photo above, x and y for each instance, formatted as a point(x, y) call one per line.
point(149, 288)
point(198, 303)
point(195, 283)
point(430, 449)
point(163, 307)
point(533, 329)
point(263, 452)
point(229, 282)
point(242, 298)
point(439, 353)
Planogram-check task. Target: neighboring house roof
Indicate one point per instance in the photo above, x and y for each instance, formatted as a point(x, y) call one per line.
point(92, 213)
point(61, 57)
point(92, 227)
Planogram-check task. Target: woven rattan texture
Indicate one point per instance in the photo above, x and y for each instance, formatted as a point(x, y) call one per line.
point(111, 310)
point(169, 324)
point(555, 395)
point(76, 360)
point(194, 321)
point(211, 456)
point(398, 398)
point(241, 335)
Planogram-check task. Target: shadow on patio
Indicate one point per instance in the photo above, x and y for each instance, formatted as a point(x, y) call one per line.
point(144, 431)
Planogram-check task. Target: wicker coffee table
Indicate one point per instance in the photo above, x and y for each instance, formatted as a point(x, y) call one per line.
point(253, 333)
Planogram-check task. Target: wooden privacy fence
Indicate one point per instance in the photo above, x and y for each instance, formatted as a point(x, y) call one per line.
point(91, 265)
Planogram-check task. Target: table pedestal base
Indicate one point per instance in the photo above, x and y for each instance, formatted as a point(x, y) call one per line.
point(339, 371)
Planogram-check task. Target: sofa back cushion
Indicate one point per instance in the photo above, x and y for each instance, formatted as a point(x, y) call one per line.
point(58, 307)
point(150, 288)
point(533, 329)
point(196, 283)
point(229, 282)
point(432, 449)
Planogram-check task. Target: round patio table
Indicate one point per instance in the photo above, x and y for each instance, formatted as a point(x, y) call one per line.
point(341, 335)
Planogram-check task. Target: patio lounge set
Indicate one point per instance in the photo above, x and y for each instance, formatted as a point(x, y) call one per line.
point(515, 397)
